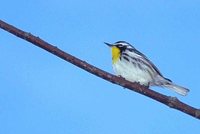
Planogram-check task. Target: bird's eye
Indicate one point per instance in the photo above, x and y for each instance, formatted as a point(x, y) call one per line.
point(120, 45)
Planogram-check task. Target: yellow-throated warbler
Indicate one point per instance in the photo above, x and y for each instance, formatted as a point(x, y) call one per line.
point(134, 66)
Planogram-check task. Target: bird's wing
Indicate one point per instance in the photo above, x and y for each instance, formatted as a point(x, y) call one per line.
point(145, 60)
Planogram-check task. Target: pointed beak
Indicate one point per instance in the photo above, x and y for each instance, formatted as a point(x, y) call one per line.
point(108, 44)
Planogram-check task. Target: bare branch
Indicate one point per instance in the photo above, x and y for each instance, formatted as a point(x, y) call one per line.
point(172, 102)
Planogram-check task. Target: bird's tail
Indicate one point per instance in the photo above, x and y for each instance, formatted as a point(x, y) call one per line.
point(179, 89)
point(164, 82)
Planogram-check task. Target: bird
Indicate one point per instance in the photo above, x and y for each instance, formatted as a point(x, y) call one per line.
point(134, 66)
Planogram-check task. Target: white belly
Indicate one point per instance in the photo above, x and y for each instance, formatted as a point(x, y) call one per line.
point(132, 73)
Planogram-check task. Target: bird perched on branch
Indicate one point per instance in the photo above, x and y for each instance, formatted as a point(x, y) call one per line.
point(134, 66)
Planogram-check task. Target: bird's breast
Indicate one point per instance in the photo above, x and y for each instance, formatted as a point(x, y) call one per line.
point(131, 72)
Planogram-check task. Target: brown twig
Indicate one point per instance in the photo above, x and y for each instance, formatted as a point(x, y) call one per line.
point(172, 102)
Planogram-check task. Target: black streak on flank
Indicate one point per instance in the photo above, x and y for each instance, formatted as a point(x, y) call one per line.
point(126, 58)
point(134, 63)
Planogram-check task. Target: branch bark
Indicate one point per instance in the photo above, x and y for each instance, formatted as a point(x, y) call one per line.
point(172, 102)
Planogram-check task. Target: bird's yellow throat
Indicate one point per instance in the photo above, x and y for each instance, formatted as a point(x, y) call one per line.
point(115, 54)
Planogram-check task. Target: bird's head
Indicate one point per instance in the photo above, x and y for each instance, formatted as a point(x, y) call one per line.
point(117, 48)
point(121, 45)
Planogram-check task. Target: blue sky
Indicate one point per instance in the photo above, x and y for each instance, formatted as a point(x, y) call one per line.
point(41, 93)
